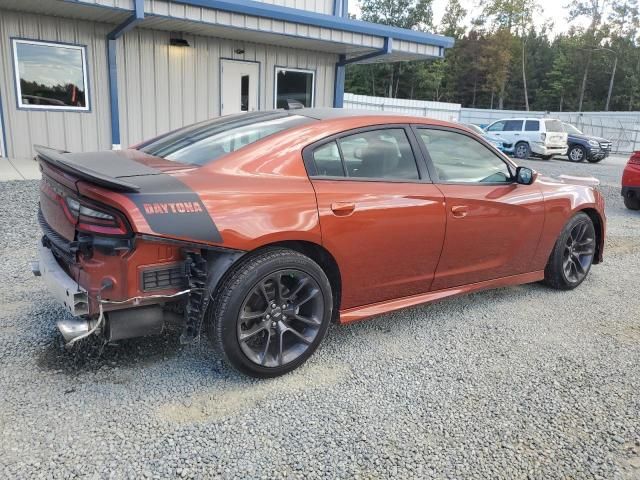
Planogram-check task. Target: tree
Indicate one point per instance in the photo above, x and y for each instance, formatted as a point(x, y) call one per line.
point(451, 23)
point(514, 16)
point(593, 10)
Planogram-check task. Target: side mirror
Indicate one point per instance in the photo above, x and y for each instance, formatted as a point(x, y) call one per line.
point(524, 176)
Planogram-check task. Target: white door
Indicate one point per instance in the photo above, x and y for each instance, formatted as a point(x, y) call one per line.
point(239, 86)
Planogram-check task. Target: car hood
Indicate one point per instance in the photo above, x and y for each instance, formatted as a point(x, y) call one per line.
point(491, 138)
point(588, 137)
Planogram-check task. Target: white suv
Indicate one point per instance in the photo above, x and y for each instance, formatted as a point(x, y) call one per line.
point(543, 137)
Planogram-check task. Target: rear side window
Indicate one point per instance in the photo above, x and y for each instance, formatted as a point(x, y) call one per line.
point(532, 125)
point(375, 154)
point(328, 161)
point(513, 125)
point(553, 126)
point(204, 142)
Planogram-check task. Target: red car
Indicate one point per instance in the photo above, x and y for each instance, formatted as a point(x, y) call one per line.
point(631, 182)
point(266, 227)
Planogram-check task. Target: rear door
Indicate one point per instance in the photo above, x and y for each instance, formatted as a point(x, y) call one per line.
point(493, 223)
point(381, 217)
point(512, 131)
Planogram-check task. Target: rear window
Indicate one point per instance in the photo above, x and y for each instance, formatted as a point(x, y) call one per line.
point(553, 125)
point(207, 141)
point(532, 126)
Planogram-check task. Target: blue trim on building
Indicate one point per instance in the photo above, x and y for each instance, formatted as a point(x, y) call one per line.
point(343, 61)
point(345, 8)
point(338, 84)
point(386, 50)
point(112, 66)
point(294, 15)
point(4, 153)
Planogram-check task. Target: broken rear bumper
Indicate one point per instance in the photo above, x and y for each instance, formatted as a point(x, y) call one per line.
point(64, 288)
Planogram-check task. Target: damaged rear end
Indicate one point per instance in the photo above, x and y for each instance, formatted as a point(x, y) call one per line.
point(125, 254)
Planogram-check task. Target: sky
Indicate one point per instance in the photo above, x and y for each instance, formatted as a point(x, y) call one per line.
point(554, 10)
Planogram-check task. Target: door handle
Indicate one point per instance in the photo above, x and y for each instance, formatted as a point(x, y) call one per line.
point(343, 208)
point(459, 211)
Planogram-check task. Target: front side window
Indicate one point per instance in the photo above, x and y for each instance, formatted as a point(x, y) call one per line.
point(205, 142)
point(375, 154)
point(513, 125)
point(459, 158)
point(294, 87)
point(496, 127)
point(571, 129)
point(50, 75)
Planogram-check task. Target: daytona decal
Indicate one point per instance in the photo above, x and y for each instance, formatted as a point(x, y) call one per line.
point(173, 210)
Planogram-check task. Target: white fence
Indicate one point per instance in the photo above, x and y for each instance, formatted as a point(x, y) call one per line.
point(421, 108)
point(622, 128)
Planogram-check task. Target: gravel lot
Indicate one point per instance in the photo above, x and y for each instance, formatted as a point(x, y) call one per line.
point(521, 382)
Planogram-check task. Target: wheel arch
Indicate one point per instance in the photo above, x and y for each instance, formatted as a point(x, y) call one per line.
point(322, 257)
point(598, 223)
point(314, 251)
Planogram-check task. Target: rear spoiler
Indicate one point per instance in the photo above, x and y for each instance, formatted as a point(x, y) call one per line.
point(57, 159)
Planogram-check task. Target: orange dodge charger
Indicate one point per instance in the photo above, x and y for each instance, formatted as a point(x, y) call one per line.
point(265, 227)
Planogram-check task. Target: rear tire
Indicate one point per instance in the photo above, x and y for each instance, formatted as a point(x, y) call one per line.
point(632, 203)
point(272, 312)
point(573, 254)
point(522, 150)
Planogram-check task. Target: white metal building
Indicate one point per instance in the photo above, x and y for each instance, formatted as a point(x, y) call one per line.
point(85, 75)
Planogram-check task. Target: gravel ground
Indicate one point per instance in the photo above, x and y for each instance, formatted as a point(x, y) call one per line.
point(521, 382)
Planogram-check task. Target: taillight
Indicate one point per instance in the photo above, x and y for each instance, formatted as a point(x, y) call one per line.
point(543, 136)
point(635, 158)
point(92, 218)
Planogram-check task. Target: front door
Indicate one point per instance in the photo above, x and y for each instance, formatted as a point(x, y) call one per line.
point(493, 224)
point(381, 218)
point(239, 86)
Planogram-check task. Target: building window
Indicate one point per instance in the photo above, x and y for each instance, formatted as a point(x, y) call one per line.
point(50, 76)
point(293, 87)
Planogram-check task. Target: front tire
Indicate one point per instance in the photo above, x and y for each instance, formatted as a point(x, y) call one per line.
point(522, 151)
point(576, 153)
point(572, 255)
point(271, 313)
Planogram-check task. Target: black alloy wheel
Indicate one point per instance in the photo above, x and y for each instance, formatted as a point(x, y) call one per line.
point(573, 254)
point(271, 312)
point(280, 318)
point(579, 249)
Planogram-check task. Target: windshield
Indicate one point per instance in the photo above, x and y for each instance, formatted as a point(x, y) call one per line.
point(571, 129)
point(554, 126)
point(205, 142)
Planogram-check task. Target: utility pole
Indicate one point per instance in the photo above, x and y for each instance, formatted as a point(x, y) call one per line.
point(613, 75)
